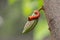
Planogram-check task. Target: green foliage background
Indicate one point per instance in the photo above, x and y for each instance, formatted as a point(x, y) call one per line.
point(15, 16)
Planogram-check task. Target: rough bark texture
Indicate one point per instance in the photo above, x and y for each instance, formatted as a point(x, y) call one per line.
point(52, 9)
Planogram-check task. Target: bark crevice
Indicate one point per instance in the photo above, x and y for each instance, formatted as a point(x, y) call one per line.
point(52, 11)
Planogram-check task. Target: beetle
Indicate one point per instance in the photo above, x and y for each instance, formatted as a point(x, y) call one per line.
point(32, 21)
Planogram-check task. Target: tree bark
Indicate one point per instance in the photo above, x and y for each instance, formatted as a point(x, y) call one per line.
point(52, 11)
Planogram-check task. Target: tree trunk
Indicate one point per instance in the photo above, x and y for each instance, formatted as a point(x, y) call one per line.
point(52, 11)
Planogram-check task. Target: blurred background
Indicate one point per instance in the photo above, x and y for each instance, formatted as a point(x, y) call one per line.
point(13, 16)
